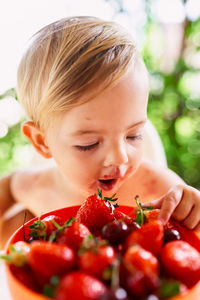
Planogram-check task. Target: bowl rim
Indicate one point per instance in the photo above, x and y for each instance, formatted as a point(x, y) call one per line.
point(75, 208)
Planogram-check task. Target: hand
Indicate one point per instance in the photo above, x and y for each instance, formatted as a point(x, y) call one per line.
point(182, 202)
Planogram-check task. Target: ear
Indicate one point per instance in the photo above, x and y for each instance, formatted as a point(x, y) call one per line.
point(37, 138)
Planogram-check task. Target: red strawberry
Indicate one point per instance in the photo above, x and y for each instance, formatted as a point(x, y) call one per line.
point(17, 254)
point(25, 276)
point(142, 271)
point(17, 258)
point(48, 259)
point(73, 235)
point(181, 261)
point(43, 228)
point(81, 286)
point(149, 236)
point(142, 260)
point(96, 260)
point(153, 215)
point(96, 211)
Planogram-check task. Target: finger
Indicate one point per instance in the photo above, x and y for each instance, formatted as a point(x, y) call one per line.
point(193, 218)
point(155, 203)
point(183, 209)
point(170, 202)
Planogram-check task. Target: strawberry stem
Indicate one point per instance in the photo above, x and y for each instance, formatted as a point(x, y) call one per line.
point(115, 274)
point(140, 216)
point(38, 230)
point(54, 235)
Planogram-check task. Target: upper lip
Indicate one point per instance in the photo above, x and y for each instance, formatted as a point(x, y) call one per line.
point(114, 175)
point(108, 178)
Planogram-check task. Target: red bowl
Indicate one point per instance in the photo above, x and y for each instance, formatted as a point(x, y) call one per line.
point(20, 292)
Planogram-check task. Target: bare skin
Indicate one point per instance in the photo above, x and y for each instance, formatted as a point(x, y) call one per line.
point(39, 192)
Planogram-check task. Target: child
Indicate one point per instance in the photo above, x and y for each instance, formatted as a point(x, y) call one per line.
point(84, 88)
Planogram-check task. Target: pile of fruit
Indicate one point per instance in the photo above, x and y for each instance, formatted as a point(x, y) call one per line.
point(103, 254)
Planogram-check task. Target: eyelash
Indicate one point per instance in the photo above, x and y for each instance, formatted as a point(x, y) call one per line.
point(90, 147)
point(136, 137)
point(86, 148)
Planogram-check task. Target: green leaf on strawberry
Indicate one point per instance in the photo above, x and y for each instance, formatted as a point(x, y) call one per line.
point(54, 235)
point(49, 289)
point(17, 254)
point(108, 199)
point(96, 211)
point(38, 230)
point(91, 242)
point(169, 288)
point(42, 228)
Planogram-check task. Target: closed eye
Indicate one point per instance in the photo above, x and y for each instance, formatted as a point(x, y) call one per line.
point(87, 147)
point(135, 137)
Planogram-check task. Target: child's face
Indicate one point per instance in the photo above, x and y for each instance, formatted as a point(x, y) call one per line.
point(102, 139)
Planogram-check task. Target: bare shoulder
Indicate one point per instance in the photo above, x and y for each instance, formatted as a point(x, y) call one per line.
point(161, 173)
point(28, 181)
point(156, 180)
point(149, 182)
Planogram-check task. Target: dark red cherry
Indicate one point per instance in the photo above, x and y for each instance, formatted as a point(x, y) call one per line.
point(171, 235)
point(115, 232)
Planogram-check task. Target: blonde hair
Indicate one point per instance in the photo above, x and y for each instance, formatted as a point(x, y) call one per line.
point(68, 62)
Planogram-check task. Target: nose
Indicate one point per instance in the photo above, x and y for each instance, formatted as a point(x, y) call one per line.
point(116, 155)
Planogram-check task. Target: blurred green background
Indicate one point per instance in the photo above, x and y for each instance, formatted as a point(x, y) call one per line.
point(171, 51)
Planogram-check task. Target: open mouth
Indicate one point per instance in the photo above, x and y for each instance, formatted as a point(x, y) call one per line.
point(107, 184)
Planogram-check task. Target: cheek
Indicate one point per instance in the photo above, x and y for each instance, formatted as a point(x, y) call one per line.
point(137, 154)
point(80, 166)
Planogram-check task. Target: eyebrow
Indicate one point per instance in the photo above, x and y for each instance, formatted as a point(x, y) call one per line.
point(84, 132)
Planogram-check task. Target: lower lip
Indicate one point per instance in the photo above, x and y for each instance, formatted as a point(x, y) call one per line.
point(107, 186)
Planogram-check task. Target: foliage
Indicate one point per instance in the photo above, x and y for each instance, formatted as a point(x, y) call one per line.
point(174, 108)
point(13, 147)
point(174, 102)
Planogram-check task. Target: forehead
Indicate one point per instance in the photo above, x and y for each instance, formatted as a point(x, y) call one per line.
point(126, 101)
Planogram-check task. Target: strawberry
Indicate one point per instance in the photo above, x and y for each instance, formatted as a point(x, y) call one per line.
point(182, 261)
point(17, 254)
point(81, 286)
point(17, 258)
point(25, 276)
point(43, 228)
point(189, 235)
point(48, 259)
point(96, 259)
point(153, 215)
point(73, 235)
point(96, 211)
point(142, 260)
point(141, 271)
point(149, 236)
